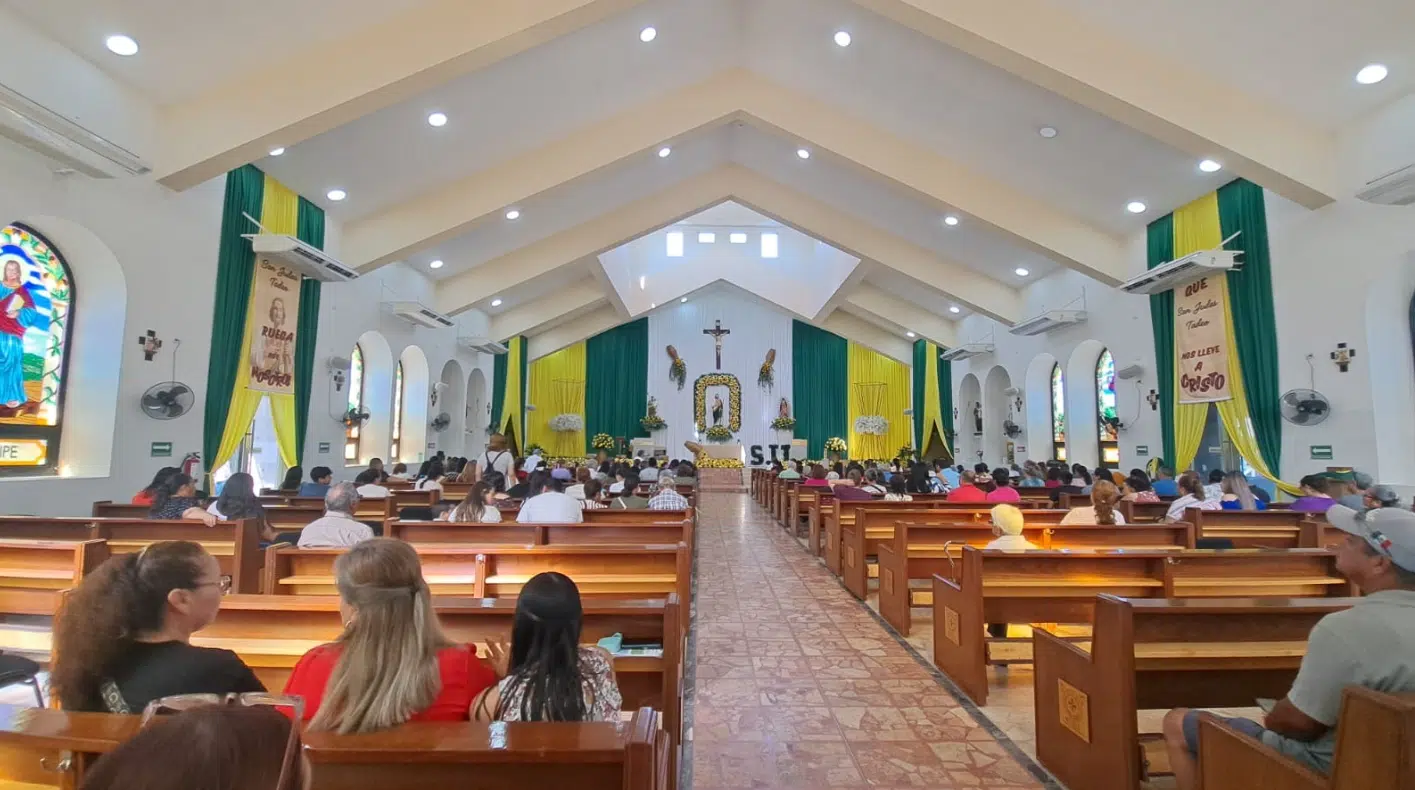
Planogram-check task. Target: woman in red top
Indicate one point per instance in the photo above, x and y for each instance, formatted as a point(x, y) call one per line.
point(817, 478)
point(145, 496)
point(392, 664)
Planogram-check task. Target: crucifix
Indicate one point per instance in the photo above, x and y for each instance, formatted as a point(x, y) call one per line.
point(717, 332)
point(150, 344)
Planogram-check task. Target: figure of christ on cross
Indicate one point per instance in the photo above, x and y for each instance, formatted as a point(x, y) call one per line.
point(717, 332)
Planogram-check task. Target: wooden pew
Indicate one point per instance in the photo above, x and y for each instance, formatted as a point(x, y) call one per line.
point(918, 551)
point(1259, 529)
point(55, 748)
point(234, 544)
point(499, 570)
point(1159, 654)
point(784, 490)
point(815, 508)
point(33, 577)
point(596, 531)
point(1373, 750)
point(873, 525)
point(1057, 587)
point(1143, 512)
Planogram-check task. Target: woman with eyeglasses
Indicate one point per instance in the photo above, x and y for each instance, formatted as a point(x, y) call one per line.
point(392, 664)
point(125, 635)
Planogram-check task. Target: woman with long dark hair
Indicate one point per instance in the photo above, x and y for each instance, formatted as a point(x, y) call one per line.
point(430, 476)
point(177, 499)
point(238, 501)
point(549, 675)
point(125, 637)
point(478, 507)
point(144, 497)
point(294, 478)
point(919, 482)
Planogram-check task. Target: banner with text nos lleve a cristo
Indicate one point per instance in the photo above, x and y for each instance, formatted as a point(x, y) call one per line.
point(1200, 340)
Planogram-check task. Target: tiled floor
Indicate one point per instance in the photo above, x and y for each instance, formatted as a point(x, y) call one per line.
point(797, 685)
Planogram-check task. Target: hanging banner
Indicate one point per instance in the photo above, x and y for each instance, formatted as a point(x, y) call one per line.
point(274, 314)
point(1200, 341)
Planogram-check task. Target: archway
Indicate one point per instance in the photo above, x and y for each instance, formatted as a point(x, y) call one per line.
point(970, 437)
point(377, 398)
point(412, 444)
point(997, 412)
point(478, 412)
point(1082, 446)
point(1038, 407)
point(452, 401)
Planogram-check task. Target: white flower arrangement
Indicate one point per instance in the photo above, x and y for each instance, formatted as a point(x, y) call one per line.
point(871, 425)
point(567, 423)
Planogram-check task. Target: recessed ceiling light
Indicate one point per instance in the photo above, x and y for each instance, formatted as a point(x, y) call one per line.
point(336, 194)
point(435, 265)
point(437, 119)
point(1369, 75)
point(664, 152)
point(954, 309)
point(1021, 272)
point(120, 44)
point(1047, 131)
point(950, 220)
point(495, 302)
point(513, 214)
point(277, 151)
point(803, 153)
point(648, 34)
point(1135, 207)
point(737, 238)
point(910, 334)
point(1210, 166)
point(684, 300)
point(842, 39)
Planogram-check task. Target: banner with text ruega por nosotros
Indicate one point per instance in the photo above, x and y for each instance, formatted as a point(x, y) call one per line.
point(274, 314)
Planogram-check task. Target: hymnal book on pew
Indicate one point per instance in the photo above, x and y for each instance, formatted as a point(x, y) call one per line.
point(639, 651)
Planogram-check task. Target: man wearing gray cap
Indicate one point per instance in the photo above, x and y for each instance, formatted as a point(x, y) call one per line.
point(1372, 644)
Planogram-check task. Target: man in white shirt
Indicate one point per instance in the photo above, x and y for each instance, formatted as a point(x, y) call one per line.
point(337, 529)
point(368, 486)
point(545, 504)
point(649, 474)
point(497, 459)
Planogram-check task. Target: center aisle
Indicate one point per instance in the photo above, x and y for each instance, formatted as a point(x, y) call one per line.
point(797, 685)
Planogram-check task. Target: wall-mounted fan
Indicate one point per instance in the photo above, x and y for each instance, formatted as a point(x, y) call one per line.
point(1304, 407)
point(167, 401)
point(1012, 429)
point(441, 421)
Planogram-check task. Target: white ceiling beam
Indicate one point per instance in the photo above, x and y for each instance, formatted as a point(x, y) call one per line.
point(866, 334)
point(541, 314)
point(326, 85)
point(890, 311)
point(572, 332)
point(847, 287)
point(867, 242)
point(463, 291)
point(1075, 57)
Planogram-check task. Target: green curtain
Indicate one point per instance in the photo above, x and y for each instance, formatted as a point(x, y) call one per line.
point(498, 389)
point(235, 266)
point(1161, 250)
point(918, 371)
point(616, 381)
point(819, 384)
point(1250, 292)
point(310, 230)
point(521, 440)
point(945, 396)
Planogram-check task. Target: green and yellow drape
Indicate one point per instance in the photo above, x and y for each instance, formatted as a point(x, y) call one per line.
point(933, 398)
point(230, 403)
point(1251, 418)
point(877, 385)
point(557, 386)
point(508, 394)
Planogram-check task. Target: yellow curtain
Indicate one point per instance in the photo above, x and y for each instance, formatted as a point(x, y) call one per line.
point(932, 411)
point(1197, 227)
point(878, 386)
point(511, 418)
point(557, 386)
point(280, 212)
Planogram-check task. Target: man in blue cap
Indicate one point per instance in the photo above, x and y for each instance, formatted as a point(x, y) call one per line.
point(1372, 644)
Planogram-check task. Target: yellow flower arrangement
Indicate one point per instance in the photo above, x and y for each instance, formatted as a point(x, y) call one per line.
point(718, 463)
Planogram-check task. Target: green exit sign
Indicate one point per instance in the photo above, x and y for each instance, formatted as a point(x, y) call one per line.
point(1142, 450)
point(161, 450)
point(1321, 452)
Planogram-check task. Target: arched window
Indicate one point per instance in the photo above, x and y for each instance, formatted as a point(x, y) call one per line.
point(36, 309)
point(1058, 414)
point(1107, 421)
point(397, 412)
point(356, 405)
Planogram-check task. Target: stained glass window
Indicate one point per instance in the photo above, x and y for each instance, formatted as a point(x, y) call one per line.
point(36, 305)
point(356, 404)
point(397, 411)
point(1107, 421)
point(1058, 414)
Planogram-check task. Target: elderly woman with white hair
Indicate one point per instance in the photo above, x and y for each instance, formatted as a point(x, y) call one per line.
point(1007, 525)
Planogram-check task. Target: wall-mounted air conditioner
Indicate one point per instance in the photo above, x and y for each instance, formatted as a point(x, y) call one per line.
point(1052, 319)
point(46, 132)
point(481, 344)
point(1396, 188)
point(1195, 266)
point(419, 314)
point(304, 258)
point(966, 351)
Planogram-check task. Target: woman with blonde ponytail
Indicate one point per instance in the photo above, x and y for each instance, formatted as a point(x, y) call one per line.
point(392, 664)
point(1104, 496)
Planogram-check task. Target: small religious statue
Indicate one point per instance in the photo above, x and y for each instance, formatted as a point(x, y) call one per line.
point(717, 410)
point(784, 410)
point(978, 418)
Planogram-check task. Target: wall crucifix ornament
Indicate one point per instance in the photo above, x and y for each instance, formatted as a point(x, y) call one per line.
point(717, 332)
point(150, 344)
